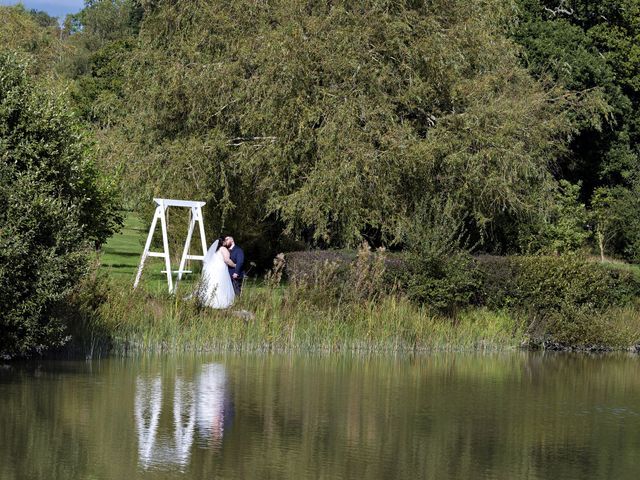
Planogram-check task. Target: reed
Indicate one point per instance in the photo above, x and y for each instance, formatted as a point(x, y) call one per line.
point(332, 309)
point(272, 318)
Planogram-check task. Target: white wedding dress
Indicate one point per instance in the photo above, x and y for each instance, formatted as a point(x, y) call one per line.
point(216, 289)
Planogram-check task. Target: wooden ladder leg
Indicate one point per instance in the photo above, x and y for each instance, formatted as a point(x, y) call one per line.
point(165, 243)
point(187, 244)
point(203, 238)
point(147, 245)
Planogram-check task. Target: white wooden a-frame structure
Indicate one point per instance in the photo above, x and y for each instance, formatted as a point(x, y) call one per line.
point(161, 214)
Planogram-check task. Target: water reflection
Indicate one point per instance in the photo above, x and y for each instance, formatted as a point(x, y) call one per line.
point(498, 416)
point(148, 404)
point(201, 402)
point(211, 403)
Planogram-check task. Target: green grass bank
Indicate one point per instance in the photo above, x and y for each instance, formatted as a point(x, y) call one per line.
point(323, 315)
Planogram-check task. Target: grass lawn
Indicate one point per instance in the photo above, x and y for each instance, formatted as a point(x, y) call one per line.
point(629, 267)
point(121, 256)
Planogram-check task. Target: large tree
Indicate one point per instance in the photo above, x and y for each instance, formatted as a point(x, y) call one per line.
point(592, 48)
point(330, 121)
point(33, 32)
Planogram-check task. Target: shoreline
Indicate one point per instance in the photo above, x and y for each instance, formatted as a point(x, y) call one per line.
point(274, 320)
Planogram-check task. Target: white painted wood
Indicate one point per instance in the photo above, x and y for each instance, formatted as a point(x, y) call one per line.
point(165, 245)
point(145, 252)
point(161, 214)
point(170, 202)
point(187, 242)
point(196, 217)
point(203, 239)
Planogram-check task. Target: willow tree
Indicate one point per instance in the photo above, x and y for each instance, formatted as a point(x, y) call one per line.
point(328, 121)
point(32, 32)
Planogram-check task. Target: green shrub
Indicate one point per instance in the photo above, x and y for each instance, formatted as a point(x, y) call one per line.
point(498, 289)
point(579, 326)
point(53, 209)
point(306, 266)
point(567, 299)
point(445, 283)
point(563, 227)
point(547, 283)
point(440, 272)
point(327, 278)
point(84, 326)
point(367, 275)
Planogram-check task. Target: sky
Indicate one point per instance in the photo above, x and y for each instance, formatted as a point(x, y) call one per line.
point(55, 8)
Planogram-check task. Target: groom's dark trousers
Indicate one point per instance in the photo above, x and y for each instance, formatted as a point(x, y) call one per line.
point(237, 257)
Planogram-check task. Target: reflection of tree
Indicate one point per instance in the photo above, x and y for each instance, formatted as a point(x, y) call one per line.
point(509, 415)
point(435, 416)
point(201, 402)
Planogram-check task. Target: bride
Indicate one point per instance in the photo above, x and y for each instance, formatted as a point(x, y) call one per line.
point(216, 288)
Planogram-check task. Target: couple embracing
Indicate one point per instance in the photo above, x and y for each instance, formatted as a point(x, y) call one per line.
point(222, 274)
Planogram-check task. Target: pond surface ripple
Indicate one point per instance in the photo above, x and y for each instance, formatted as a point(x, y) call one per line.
point(455, 415)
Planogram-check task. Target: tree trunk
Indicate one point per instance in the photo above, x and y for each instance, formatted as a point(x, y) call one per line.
point(601, 245)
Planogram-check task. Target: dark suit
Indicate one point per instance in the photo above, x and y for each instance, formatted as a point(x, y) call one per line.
point(237, 257)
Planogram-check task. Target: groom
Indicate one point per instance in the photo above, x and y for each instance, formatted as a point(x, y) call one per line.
point(237, 257)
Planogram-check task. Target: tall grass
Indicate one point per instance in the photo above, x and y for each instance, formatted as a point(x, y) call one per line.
point(267, 318)
point(333, 309)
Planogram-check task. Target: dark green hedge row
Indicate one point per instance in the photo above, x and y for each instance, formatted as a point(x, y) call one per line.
point(304, 266)
point(549, 283)
point(542, 284)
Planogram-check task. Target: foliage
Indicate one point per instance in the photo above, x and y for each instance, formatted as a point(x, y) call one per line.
point(564, 227)
point(327, 278)
point(98, 94)
point(100, 37)
point(282, 320)
point(84, 327)
point(439, 272)
point(615, 220)
point(274, 276)
point(43, 19)
point(569, 302)
point(544, 283)
point(329, 122)
point(450, 280)
point(104, 21)
point(327, 304)
point(368, 280)
point(34, 33)
point(579, 327)
point(592, 48)
point(301, 266)
point(53, 206)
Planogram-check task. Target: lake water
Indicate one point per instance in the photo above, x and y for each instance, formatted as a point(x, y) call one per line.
point(498, 416)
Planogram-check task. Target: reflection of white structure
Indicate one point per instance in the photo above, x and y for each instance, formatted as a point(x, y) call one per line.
point(201, 403)
point(183, 402)
point(210, 412)
point(147, 412)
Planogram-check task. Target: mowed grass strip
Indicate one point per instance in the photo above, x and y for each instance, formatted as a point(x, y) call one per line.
point(121, 256)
